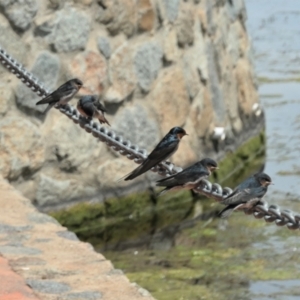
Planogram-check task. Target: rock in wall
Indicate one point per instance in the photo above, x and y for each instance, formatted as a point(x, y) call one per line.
point(156, 64)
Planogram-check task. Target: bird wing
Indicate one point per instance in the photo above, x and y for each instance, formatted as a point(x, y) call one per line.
point(243, 196)
point(188, 175)
point(48, 99)
point(50, 105)
point(100, 116)
point(161, 152)
point(88, 108)
point(66, 90)
point(164, 149)
point(227, 211)
point(99, 106)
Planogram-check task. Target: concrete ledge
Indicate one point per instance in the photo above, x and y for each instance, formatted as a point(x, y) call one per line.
point(51, 260)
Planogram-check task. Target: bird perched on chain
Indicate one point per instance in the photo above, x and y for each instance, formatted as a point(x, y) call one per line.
point(246, 195)
point(62, 95)
point(164, 149)
point(90, 107)
point(190, 177)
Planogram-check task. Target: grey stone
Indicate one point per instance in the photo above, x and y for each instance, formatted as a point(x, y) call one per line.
point(233, 43)
point(144, 292)
point(27, 261)
point(120, 16)
point(147, 62)
point(171, 51)
point(11, 43)
point(104, 46)
point(191, 75)
point(198, 56)
point(171, 9)
point(215, 85)
point(115, 272)
point(129, 123)
point(48, 286)
point(68, 235)
point(236, 9)
point(71, 31)
point(84, 295)
point(185, 28)
point(7, 97)
point(41, 218)
point(52, 191)
point(46, 69)
point(211, 26)
point(19, 12)
point(4, 228)
point(121, 74)
point(44, 25)
point(141, 290)
point(42, 240)
point(19, 250)
point(21, 147)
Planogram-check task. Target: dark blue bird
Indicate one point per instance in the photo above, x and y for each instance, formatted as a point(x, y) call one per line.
point(247, 194)
point(165, 148)
point(190, 177)
point(90, 107)
point(63, 94)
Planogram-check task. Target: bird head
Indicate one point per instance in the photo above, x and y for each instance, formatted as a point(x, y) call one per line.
point(210, 164)
point(178, 131)
point(77, 82)
point(263, 178)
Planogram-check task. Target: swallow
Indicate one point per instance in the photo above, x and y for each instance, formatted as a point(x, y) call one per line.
point(164, 149)
point(190, 177)
point(90, 107)
point(63, 94)
point(247, 194)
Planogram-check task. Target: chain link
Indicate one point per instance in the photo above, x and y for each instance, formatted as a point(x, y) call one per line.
point(271, 213)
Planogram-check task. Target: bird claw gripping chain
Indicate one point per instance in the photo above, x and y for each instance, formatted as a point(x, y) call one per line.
point(270, 213)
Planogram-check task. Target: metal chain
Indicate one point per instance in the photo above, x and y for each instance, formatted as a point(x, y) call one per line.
point(271, 213)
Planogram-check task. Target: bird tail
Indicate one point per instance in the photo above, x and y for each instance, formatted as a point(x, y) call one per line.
point(163, 191)
point(45, 100)
point(135, 173)
point(49, 107)
point(103, 120)
point(131, 175)
point(124, 177)
point(227, 211)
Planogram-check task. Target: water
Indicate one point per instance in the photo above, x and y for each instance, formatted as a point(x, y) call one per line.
point(275, 31)
point(252, 259)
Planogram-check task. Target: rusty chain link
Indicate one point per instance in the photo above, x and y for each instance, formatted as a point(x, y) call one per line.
point(272, 213)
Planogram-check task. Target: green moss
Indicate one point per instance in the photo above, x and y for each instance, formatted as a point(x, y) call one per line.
point(77, 215)
point(246, 160)
point(173, 207)
point(205, 263)
point(132, 204)
point(278, 80)
point(218, 268)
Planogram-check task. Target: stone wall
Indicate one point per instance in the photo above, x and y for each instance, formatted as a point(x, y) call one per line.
point(156, 64)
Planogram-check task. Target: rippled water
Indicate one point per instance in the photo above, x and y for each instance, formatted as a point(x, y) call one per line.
point(275, 31)
point(252, 259)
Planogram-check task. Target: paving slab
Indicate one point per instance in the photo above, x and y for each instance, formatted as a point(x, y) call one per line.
point(43, 260)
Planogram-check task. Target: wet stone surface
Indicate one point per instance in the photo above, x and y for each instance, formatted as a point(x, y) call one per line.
point(47, 286)
point(18, 250)
point(68, 235)
point(4, 228)
point(84, 295)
